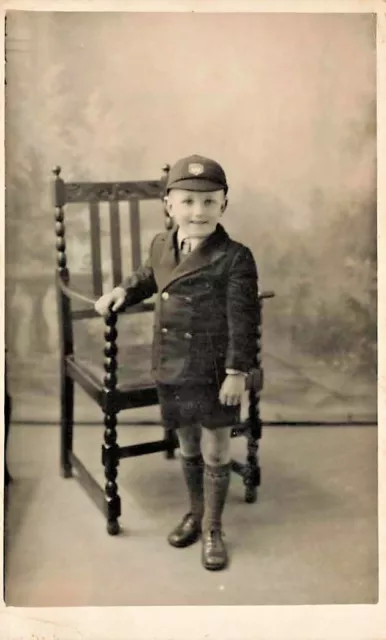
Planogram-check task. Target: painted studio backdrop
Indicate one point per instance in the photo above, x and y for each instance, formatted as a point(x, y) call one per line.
point(285, 102)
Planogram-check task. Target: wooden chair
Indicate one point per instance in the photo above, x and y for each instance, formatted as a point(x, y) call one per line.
point(112, 389)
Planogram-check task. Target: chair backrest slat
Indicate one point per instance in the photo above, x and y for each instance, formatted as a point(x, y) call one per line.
point(135, 234)
point(115, 242)
point(96, 248)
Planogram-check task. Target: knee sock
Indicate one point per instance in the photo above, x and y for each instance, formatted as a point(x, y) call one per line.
point(193, 470)
point(216, 485)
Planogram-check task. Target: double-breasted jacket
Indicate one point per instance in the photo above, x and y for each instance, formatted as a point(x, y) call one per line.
point(207, 313)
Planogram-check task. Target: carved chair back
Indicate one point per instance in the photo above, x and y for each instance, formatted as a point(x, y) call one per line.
point(120, 197)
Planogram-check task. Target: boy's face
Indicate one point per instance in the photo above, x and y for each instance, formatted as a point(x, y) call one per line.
point(196, 212)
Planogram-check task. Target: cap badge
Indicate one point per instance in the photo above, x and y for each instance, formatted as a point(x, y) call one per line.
point(196, 168)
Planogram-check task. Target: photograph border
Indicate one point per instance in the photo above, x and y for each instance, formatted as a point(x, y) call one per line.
point(340, 622)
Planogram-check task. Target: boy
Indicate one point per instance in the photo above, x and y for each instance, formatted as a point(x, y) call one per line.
point(204, 339)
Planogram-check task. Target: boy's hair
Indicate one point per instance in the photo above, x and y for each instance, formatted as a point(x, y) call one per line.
point(197, 173)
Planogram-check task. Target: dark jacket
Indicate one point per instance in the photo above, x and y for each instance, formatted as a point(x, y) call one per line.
point(206, 317)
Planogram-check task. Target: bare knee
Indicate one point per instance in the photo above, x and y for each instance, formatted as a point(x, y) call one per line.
point(215, 458)
point(189, 439)
point(216, 446)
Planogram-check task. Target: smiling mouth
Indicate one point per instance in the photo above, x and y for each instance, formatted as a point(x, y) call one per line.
point(199, 222)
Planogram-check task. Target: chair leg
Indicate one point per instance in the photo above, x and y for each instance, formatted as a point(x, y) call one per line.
point(66, 425)
point(252, 474)
point(171, 443)
point(110, 461)
point(7, 424)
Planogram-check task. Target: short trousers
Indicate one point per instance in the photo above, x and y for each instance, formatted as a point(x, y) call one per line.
point(195, 405)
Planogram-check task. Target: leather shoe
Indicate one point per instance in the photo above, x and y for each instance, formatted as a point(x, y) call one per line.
point(186, 533)
point(214, 553)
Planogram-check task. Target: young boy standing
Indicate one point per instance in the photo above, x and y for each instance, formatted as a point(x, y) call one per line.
point(204, 344)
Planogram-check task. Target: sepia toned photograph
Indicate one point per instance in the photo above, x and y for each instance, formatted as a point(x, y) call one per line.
point(191, 340)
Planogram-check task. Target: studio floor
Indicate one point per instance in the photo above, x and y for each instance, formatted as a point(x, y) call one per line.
point(310, 539)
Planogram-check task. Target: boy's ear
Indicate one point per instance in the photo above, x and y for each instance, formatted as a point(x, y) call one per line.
point(224, 205)
point(167, 204)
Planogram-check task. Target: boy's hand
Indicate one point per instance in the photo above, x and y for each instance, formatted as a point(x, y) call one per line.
point(116, 296)
point(232, 389)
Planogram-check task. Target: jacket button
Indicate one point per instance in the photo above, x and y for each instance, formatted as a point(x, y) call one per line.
point(165, 295)
point(164, 330)
point(188, 299)
point(188, 336)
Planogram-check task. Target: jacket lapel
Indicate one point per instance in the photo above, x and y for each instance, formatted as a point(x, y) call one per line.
point(208, 251)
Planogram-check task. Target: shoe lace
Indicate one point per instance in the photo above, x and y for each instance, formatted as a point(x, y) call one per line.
point(214, 536)
point(187, 517)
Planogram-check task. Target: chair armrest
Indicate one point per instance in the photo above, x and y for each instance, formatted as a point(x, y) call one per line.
point(266, 294)
point(74, 294)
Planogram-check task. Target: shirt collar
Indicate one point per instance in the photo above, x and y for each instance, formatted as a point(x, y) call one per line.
point(183, 236)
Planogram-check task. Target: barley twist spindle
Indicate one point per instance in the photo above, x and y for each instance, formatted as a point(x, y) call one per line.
point(60, 230)
point(252, 468)
point(110, 449)
point(65, 335)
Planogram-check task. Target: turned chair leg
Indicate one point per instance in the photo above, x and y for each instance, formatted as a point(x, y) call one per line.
point(66, 425)
point(110, 461)
point(252, 474)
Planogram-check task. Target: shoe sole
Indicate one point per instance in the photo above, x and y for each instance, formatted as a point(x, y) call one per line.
point(183, 545)
point(215, 567)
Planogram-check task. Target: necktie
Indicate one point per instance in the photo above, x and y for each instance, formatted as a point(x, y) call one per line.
point(186, 247)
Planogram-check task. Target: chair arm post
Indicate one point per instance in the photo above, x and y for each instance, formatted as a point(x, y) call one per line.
point(110, 448)
point(252, 472)
point(110, 354)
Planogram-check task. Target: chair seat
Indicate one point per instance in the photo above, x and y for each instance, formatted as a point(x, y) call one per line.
point(133, 371)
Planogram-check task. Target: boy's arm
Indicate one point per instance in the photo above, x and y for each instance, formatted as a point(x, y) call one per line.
point(242, 312)
point(141, 284)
